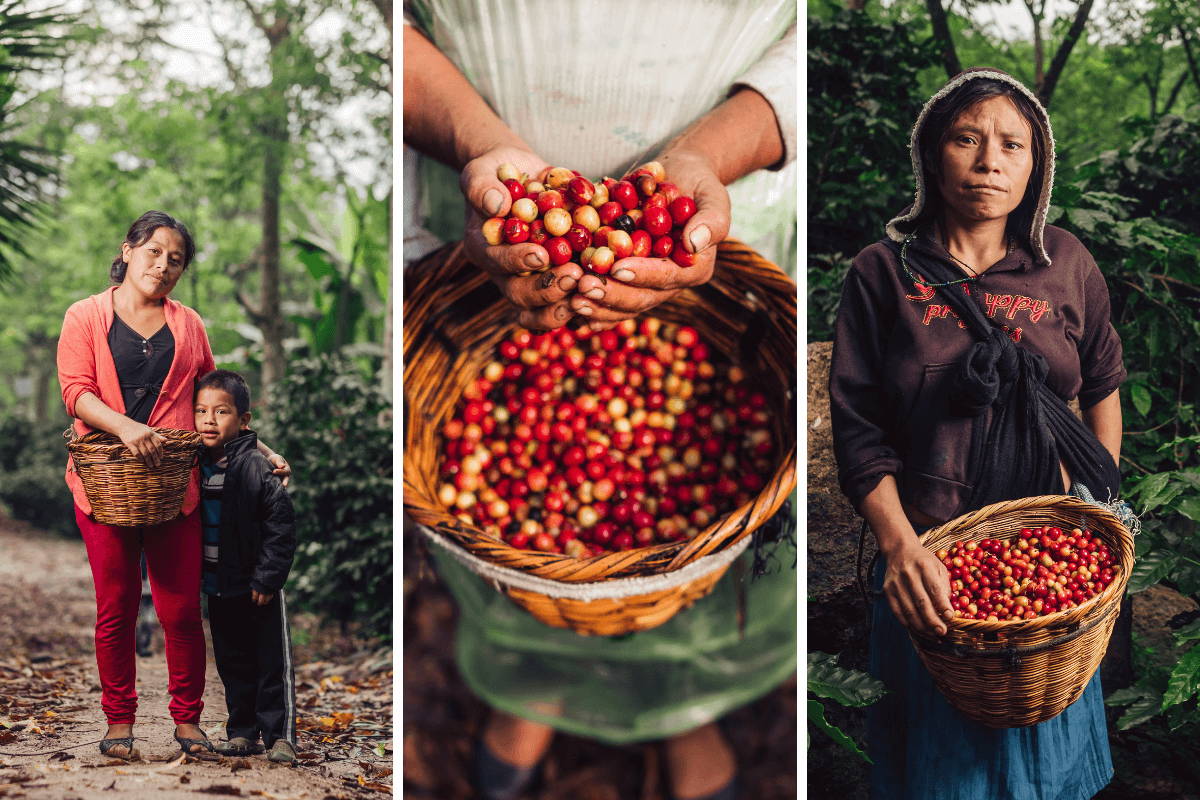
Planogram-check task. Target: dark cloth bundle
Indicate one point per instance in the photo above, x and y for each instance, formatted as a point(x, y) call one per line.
point(1035, 425)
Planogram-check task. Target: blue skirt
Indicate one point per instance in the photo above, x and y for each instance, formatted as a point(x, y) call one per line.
point(924, 749)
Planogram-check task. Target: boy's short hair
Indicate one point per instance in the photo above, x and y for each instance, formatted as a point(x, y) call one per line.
point(229, 382)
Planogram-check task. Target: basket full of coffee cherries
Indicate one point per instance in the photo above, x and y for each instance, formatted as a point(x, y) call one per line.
point(1035, 587)
point(586, 459)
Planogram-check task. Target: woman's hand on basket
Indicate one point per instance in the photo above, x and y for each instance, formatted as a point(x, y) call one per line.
point(637, 285)
point(541, 295)
point(917, 587)
point(144, 442)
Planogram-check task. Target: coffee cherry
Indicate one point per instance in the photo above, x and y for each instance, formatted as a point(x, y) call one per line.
point(682, 209)
point(609, 212)
point(515, 230)
point(625, 223)
point(578, 237)
point(681, 256)
point(601, 261)
point(508, 172)
point(557, 221)
point(559, 250)
point(549, 199)
point(656, 221)
point(599, 195)
point(493, 230)
point(641, 244)
point(655, 168)
point(626, 194)
point(558, 178)
point(580, 191)
point(587, 217)
point(525, 210)
point(515, 189)
point(621, 244)
point(662, 247)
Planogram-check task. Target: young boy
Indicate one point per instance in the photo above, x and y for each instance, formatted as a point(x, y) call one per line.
point(249, 542)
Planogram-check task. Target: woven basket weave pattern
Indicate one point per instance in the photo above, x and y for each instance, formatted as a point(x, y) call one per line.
point(454, 317)
point(1024, 678)
point(125, 492)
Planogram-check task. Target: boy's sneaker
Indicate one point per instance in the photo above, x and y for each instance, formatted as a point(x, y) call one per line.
point(282, 752)
point(239, 746)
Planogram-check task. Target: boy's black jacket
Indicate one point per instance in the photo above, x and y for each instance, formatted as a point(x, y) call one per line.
point(258, 532)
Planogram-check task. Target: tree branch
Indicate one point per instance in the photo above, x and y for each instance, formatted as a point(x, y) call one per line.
point(1046, 91)
point(1183, 76)
point(941, 32)
point(1191, 57)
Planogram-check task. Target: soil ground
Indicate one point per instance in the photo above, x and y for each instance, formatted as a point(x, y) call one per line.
point(50, 715)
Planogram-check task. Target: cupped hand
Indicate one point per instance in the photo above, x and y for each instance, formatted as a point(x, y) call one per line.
point(540, 296)
point(144, 442)
point(637, 285)
point(917, 587)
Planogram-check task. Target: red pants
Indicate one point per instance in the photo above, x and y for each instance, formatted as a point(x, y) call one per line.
point(173, 558)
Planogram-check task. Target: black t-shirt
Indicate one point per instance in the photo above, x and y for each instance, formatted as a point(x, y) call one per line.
point(142, 366)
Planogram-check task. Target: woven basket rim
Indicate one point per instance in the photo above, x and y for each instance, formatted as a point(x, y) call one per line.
point(674, 554)
point(1070, 616)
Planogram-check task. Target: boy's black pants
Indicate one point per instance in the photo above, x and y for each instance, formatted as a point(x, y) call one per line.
point(253, 651)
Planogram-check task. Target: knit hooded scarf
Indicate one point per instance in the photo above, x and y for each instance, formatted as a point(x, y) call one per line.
point(997, 376)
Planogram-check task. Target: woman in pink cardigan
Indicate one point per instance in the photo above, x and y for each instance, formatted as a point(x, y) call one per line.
point(128, 358)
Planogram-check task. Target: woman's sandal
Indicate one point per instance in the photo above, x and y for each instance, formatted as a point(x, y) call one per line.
point(107, 745)
point(186, 745)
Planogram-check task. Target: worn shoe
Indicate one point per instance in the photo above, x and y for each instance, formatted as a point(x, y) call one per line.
point(186, 744)
point(239, 746)
point(106, 745)
point(282, 752)
point(496, 779)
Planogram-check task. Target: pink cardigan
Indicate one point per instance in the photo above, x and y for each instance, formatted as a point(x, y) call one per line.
point(85, 364)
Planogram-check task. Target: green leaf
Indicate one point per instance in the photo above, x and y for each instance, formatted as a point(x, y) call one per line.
point(1189, 507)
point(1188, 632)
point(1185, 679)
point(1140, 711)
point(1150, 569)
point(1150, 488)
point(1123, 697)
point(816, 715)
point(1141, 398)
point(846, 686)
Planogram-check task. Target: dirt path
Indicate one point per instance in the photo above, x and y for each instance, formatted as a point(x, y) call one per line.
point(50, 701)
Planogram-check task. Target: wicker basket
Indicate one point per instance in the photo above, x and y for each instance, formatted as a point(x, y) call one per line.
point(124, 491)
point(453, 319)
point(1013, 673)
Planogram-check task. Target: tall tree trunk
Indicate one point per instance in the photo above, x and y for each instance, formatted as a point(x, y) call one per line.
point(1046, 88)
point(274, 127)
point(1037, 10)
point(274, 362)
point(941, 32)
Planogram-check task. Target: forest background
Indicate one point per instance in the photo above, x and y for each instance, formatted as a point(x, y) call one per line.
point(264, 126)
point(1121, 80)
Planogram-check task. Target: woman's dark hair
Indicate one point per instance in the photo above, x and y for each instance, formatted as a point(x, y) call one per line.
point(142, 229)
point(936, 129)
point(229, 382)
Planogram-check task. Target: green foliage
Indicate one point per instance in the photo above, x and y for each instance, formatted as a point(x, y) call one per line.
point(863, 96)
point(333, 424)
point(845, 686)
point(33, 458)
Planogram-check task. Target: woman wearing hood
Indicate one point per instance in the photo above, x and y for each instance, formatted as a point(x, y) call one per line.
point(960, 338)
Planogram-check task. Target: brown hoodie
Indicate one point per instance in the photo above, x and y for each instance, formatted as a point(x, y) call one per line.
point(896, 344)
